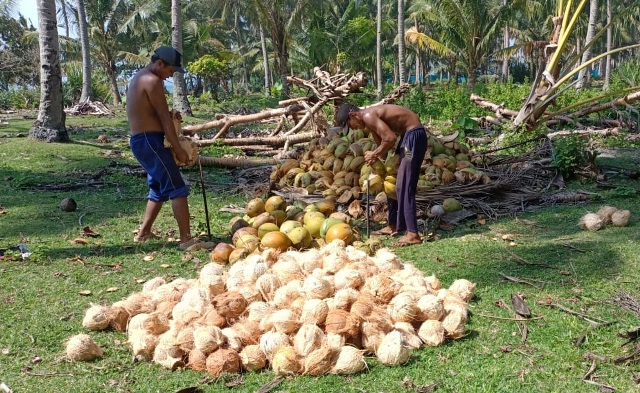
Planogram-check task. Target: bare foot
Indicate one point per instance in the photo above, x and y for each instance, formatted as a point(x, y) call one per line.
point(407, 240)
point(143, 238)
point(384, 231)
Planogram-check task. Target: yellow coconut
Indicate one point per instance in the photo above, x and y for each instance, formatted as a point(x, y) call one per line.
point(238, 254)
point(255, 207)
point(277, 240)
point(275, 202)
point(82, 348)
point(300, 237)
point(221, 252)
point(313, 221)
point(266, 228)
point(340, 231)
point(289, 225)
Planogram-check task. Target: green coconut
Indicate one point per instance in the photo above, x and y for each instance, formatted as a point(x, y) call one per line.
point(266, 228)
point(328, 223)
point(451, 205)
point(275, 202)
point(300, 237)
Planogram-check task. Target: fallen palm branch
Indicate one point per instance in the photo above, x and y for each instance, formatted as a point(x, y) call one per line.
point(236, 162)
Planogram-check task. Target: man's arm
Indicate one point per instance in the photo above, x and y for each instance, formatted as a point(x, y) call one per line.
point(385, 138)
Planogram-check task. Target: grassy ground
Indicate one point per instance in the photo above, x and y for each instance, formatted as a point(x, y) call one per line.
point(41, 305)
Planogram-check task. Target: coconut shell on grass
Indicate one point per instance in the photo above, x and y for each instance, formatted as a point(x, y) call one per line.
point(197, 360)
point(605, 213)
point(252, 358)
point(230, 304)
point(591, 222)
point(342, 322)
point(168, 356)
point(463, 288)
point(454, 324)
point(207, 339)
point(620, 218)
point(320, 361)
point(350, 360)
point(286, 362)
point(392, 350)
point(82, 348)
point(432, 333)
point(223, 360)
point(97, 317)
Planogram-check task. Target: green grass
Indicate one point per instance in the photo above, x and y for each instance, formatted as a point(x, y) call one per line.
point(40, 304)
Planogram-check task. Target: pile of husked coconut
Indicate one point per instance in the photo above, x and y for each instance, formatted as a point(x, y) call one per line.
point(298, 312)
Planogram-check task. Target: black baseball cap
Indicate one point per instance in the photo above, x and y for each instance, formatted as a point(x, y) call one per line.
point(170, 56)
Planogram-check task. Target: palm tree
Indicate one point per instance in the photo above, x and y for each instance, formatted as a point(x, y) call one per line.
point(607, 64)
point(87, 92)
point(180, 99)
point(50, 125)
point(7, 7)
point(586, 55)
point(379, 50)
point(401, 56)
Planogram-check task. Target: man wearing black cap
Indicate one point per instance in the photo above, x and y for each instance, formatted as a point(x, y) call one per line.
point(387, 124)
point(151, 122)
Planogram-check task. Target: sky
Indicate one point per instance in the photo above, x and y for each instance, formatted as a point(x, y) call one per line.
point(29, 9)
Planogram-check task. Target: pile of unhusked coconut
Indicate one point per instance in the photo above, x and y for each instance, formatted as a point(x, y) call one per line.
point(297, 312)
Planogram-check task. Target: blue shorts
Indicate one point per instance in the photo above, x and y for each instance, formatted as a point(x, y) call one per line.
point(163, 175)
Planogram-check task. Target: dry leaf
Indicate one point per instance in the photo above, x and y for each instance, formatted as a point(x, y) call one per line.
point(3, 210)
point(140, 281)
point(509, 237)
point(165, 265)
point(111, 289)
point(482, 220)
point(5, 351)
point(79, 240)
point(148, 258)
point(86, 231)
point(85, 292)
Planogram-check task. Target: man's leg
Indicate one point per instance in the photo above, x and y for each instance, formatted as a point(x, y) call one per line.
point(180, 208)
point(150, 215)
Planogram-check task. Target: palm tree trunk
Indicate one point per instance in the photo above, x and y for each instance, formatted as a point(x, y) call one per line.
point(379, 51)
point(50, 125)
point(401, 55)
point(87, 91)
point(505, 45)
point(593, 16)
point(607, 64)
point(113, 82)
point(180, 99)
point(265, 61)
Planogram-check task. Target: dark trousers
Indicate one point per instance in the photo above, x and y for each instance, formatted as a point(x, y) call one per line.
point(412, 148)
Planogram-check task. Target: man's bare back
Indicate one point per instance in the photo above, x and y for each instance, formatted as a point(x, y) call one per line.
point(143, 116)
point(397, 118)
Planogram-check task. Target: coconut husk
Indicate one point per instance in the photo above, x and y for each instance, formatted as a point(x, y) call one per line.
point(381, 287)
point(213, 283)
point(591, 222)
point(392, 350)
point(321, 361)
point(285, 321)
point(335, 340)
point(432, 333)
point(267, 284)
point(232, 339)
point(285, 295)
point(348, 278)
point(255, 267)
point(270, 256)
point(250, 293)
point(97, 317)
point(184, 313)
point(143, 344)
point(433, 283)
point(620, 218)
point(271, 341)
point(364, 305)
point(82, 348)
point(223, 360)
point(248, 331)
point(252, 358)
point(316, 288)
point(350, 360)
point(454, 324)
point(287, 269)
point(184, 339)
point(286, 362)
point(207, 338)
point(342, 322)
point(137, 303)
point(387, 261)
point(256, 311)
point(210, 317)
point(314, 311)
point(308, 339)
point(409, 335)
point(197, 360)
point(431, 308)
point(334, 256)
point(168, 356)
point(605, 213)
point(344, 298)
point(230, 304)
point(171, 291)
point(119, 319)
point(150, 286)
point(463, 288)
point(166, 308)
point(403, 308)
point(309, 260)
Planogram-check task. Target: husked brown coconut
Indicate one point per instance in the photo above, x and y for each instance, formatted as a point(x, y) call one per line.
point(213, 283)
point(285, 321)
point(314, 311)
point(210, 317)
point(256, 311)
point(350, 361)
point(223, 360)
point(454, 324)
point(381, 287)
point(348, 278)
point(184, 339)
point(233, 340)
point(335, 340)
point(250, 293)
point(119, 318)
point(151, 285)
point(403, 308)
point(286, 362)
point(433, 283)
point(605, 213)
point(308, 338)
point(168, 356)
point(334, 256)
point(252, 358)
point(364, 305)
point(308, 260)
point(316, 288)
point(463, 288)
point(197, 360)
point(248, 331)
point(344, 298)
point(137, 303)
point(287, 269)
point(267, 284)
point(82, 348)
point(287, 293)
point(207, 338)
point(430, 308)
point(154, 323)
point(321, 361)
point(166, 308)
point(431, 332)
point(171, 291)
point(591, 222)
point(342, 322)
point(392, 350)
point(620, 218)
point(271, 341)
point(409, 336)
point(230, 304)
point(97, 317)
point(297, 304)
point(387, 261)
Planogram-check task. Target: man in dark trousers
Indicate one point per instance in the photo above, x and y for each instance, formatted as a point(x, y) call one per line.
point(387, 123)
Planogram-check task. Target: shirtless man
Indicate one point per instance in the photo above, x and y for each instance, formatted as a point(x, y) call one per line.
point(151, 122)
point(387, 123)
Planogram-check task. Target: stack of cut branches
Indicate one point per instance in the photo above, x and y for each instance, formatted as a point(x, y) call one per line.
point(88, 107)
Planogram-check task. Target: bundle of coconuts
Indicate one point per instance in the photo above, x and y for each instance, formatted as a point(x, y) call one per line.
point(606, 215)
point(272, 223)
point(334, 166)
point(308, 312)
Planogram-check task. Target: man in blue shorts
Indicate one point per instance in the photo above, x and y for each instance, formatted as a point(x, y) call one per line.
point(151, 122)
point(387, 123)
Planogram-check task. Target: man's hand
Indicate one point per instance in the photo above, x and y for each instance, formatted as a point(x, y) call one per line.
point(370, 157)
point(181, 155)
